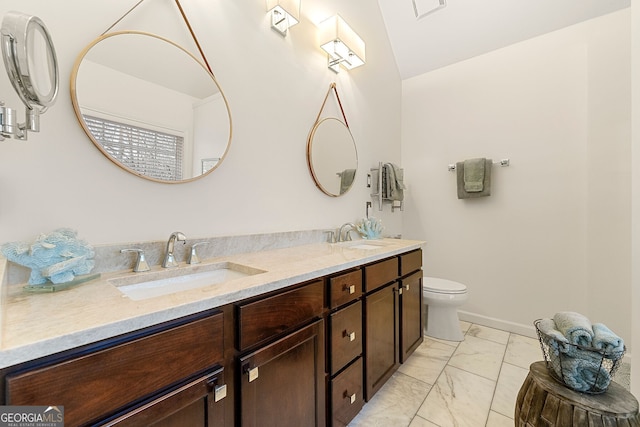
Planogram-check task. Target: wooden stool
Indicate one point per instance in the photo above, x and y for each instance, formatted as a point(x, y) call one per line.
point(543, 401)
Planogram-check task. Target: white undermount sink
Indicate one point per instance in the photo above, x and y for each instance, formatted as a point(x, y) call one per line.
point(153, 284)
point(363, 244)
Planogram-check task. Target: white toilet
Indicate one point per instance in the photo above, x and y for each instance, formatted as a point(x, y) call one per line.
point(442, 298)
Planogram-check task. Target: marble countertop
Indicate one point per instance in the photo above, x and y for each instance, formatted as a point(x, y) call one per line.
point(34, 325)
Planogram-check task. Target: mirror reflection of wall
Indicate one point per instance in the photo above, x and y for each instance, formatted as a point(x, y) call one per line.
point(157, 122)
point(332, 156)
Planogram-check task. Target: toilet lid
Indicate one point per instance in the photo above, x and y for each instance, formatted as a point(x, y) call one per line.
point(443, 286)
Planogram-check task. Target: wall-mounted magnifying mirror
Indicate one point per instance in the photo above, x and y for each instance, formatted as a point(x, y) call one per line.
point(32, 66)
point(332, 156)
point(151, 106)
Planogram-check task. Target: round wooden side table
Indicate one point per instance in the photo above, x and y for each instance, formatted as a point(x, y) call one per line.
point(543, 401)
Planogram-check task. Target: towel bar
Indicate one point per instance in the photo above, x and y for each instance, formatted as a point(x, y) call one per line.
point(503, 163)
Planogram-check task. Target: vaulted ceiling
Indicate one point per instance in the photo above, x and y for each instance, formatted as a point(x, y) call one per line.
point(463, 29)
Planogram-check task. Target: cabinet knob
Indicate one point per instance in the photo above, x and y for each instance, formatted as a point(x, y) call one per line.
point(400, 291)
point(219, 392)
point(351, 397)
point(252, 373)
point(349, 288)
point(407, 286)
point(350, 335)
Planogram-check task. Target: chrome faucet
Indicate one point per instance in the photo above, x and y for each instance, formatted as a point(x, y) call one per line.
point(169, 260)
point(350, 227)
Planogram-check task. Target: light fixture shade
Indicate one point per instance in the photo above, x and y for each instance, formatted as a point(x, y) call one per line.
point(284, 14)
point(341, 43)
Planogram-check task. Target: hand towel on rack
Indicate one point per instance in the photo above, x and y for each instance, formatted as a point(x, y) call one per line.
point(394, 182)
point(474, 175)
point(486, 182)
point(346, 179)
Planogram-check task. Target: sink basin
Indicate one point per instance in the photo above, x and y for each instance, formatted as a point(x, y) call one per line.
point(363, 244)
point(149, 285)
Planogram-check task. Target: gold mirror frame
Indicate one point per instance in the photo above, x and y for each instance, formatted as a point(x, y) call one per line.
point(330, 165)
point(218, 156)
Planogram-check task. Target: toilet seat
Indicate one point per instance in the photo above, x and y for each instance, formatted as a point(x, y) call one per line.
point(443, 286)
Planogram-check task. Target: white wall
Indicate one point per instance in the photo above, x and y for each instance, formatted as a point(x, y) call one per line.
point(555, 233)
point(275, 87)
point(635, 159)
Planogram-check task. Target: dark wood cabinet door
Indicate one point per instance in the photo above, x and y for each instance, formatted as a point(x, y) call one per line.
point(193, 404)
point(283, 383)
point(411, 330)
point(381, 337)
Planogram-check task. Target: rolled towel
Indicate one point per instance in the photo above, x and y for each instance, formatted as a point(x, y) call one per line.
point(604, 339)
point(575, 327)
point(584, 374)
point(558, 342)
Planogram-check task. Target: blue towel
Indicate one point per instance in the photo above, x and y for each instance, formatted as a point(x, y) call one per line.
point(604, 339)
point(575, 327)
point(558, 342)
point(585, 372)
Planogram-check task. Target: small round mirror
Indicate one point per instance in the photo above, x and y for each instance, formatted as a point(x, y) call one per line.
point(332, 156)
point(151, 107)
point(30, 59)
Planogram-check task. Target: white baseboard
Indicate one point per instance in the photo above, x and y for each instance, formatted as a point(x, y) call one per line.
point(505, 325)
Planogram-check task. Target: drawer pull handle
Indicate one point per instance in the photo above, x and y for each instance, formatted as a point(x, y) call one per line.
point(400, 291)
point(349, 288)
point(352, 397)
point(253, 374)
point(350, 335)
point(219, 392)
point(406, 287)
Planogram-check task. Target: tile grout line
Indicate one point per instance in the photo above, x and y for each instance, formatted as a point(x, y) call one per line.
point(502, 362)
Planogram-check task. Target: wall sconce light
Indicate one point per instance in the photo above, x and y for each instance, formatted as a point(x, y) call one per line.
point(284, 14)
point(341, 43)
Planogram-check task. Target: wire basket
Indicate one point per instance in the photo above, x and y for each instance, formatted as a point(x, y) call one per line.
point(583, 369)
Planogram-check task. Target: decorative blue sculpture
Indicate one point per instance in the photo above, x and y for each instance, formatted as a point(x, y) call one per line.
point(370, 228)
point(57, 257)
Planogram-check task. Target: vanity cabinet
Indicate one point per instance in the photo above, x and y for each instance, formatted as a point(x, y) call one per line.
point(164, 375)
point(281, 360)
point(310, 354)
point(345, 340)
point(393, 316)
point(411, 303)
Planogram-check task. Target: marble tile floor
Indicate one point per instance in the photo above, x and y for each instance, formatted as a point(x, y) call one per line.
point(473, 383)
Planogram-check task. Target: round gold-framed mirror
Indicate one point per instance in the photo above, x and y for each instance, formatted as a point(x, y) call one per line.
point(151, 107)
point(332, 156)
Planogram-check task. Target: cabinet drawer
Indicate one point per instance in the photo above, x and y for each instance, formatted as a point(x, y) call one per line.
point(380, 273)
point(263, 319)
point(345, 288)
point(346, 394)
point(95, 385)
point(346, 336)
point(410, 262)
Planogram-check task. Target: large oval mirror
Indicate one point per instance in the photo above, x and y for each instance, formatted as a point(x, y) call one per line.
point(332, 156)
point(151, 106)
